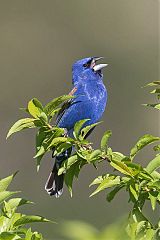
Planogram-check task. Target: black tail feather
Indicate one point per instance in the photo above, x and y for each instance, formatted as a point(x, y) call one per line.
point(54, 184)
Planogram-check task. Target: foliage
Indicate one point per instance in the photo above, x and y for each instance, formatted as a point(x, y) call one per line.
point(77, 230)
point(141, 183)
point(12, 223)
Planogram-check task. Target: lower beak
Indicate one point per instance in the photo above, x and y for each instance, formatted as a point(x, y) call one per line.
point(99, 67)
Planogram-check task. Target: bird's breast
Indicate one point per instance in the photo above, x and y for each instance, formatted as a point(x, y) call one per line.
point(96, 94)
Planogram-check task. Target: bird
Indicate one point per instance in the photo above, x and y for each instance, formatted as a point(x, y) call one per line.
point(89, 103)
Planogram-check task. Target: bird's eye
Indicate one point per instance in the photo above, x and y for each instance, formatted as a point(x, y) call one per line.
point(86, 65)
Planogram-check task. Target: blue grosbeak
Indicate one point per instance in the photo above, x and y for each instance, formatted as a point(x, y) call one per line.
point(89, 103)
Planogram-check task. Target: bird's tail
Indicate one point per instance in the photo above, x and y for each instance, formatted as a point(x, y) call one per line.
point(54, 184)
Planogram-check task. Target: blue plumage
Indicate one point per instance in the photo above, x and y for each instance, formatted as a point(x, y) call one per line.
point(90, 103)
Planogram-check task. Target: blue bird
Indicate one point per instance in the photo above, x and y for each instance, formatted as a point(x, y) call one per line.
point(90, 103)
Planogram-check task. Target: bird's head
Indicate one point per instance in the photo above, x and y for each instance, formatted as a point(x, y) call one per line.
point(87, 68)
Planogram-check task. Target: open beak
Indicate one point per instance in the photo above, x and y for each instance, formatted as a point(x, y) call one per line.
point(98, 67)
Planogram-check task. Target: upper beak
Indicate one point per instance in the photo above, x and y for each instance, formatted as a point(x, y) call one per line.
point(99, 66)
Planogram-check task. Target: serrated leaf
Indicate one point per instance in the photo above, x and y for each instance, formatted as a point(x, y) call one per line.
point(29, 219)
point(21, 124)
point(104, 140)
point(78, 126)
point(51, 106)
point(35, 108)
point(86, 130)
point(142, 142)
point(108, 182)
point(6, 194)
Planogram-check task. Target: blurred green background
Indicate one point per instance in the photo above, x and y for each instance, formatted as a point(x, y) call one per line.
point(39, 41)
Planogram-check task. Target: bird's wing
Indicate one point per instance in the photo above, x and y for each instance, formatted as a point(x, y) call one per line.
point(65, 105)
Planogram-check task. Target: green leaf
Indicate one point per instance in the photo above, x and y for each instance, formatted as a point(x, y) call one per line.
point(154, 164)
point(67, 164)
point(29, 219)
point(78, 126)
point(21, 124)
point(156, 148)
point(40, 136)
point(155, 175)
point(157, 90)
point(133, 191)
point(70, 175)
point(95, 155)
point(5, 182)
point(111, 194)
point(142, 142)
point(84, 131)
point(9, 236)
point(54, 112)
point(16, 202)
point(50, 107)
point(121, 167)
point(98, 180)
point(153, 198)
point(57, 141)
point(135, 168)
point(43, 117)
point(77, 230)
point(29, 234)
point(104, 140)
point(117, 156)
point(6, 194)
point(62, 148)
point(41, 152)
point(35, 107)
point(137, 215)
point(150, 233)
point(154, 105)
point(107, 182)
point(155, 83)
